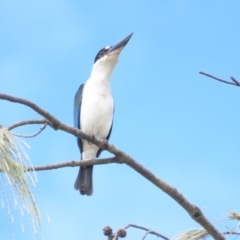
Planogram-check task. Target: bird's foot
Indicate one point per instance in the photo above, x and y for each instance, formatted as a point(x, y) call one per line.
point(105, 145)
point(91, 139)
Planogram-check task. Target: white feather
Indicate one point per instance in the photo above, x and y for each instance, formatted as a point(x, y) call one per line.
point(97, 104)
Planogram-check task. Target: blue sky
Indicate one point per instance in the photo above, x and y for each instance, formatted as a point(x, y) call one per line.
point(182, 126)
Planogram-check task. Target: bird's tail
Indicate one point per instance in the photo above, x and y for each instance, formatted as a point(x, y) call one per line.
point(84, 181)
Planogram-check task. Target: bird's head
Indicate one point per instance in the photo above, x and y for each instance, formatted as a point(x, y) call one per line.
point(106, 59)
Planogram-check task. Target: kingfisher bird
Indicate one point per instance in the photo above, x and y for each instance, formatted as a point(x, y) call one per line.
point(94, 109)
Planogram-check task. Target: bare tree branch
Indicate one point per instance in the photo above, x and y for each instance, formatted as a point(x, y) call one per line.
point(122, 157)
point(231, 233)
point(54, 121)
point(235, 82)
point(148, 231)
point(73, 164)
point(32, 135)
point(27, 122)
point(193, 234)
point(144, 236)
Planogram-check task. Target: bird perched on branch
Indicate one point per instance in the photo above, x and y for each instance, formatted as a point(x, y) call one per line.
point(93, 110)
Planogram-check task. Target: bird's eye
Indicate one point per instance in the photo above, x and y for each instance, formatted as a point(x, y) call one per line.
point(100, 54)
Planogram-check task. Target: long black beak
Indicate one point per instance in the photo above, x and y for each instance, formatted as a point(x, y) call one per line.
point(119, 46)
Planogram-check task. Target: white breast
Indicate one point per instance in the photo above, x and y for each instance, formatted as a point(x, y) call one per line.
point(96, 114)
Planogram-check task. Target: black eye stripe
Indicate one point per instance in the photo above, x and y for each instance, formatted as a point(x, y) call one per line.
point(101, 53)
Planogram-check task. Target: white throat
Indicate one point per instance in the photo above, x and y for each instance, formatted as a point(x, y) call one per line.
point(102, 70)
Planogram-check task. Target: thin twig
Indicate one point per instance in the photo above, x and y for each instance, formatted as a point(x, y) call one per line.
point(193, 210)
point(231, 233)
point(144, 236)
point(235, 82)
point(149, 231)
point(74, 164)
point(27, 122)
point(54, 121)
point(32, 135)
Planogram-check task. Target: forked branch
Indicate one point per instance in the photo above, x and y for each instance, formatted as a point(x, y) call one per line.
point(234, 81)
point(31, 135)
point(122, 157)
point(107, 231)
point(28, 122)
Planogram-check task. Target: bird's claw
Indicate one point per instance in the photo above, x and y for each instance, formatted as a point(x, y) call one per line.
point(90, 141)
point(105, 145)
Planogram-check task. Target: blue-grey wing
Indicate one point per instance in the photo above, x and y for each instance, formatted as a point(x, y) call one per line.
point(77, 112)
